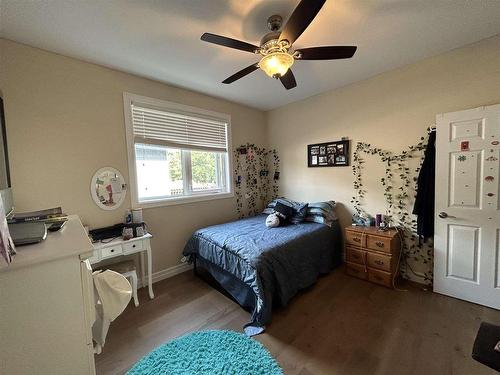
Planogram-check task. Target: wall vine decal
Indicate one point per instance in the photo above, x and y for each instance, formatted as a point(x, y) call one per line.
point(256, 178)
point(399, 198)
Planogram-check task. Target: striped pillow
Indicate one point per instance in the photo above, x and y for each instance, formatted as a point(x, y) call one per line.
point(321, 212)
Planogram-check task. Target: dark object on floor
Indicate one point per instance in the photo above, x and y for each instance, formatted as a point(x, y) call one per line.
point(424, 202)
point(484, 346)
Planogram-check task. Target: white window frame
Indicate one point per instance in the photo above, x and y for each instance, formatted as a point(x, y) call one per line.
point(128, 100)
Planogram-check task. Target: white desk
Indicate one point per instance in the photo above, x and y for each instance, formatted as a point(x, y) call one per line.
point(120, 247)
point(47, 306)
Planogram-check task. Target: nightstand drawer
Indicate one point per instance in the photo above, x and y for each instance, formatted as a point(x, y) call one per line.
point(355, 238)
point(356, 270)
point(355, 255)
point(379, 261)
point(379, 243)
point(109, 252)
point(380, 277)
point(132, 247)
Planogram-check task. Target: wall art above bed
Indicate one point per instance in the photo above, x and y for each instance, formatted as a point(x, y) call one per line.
point(329, 154)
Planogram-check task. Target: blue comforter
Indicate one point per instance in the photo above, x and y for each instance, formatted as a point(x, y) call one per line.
point(275, 263)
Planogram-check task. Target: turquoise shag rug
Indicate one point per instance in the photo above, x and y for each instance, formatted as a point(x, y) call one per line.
point(209, 353)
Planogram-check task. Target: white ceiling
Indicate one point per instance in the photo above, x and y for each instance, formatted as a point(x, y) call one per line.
point(161, 39)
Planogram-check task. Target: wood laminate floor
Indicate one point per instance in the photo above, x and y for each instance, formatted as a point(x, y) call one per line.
point(339, 326)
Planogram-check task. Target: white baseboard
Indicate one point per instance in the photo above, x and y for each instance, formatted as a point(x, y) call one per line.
point(166, 273)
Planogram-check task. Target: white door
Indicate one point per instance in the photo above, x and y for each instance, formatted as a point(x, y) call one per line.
point(467, 232)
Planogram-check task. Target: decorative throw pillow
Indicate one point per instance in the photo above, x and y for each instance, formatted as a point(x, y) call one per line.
point(321, 212)
point(299, 213)
point(270, 207)
point(283, 211)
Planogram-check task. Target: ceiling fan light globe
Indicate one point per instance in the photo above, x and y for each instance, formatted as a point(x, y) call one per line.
point(276, 64)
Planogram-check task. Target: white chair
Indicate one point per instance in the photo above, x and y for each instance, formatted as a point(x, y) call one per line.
point(112, 292)
point(127, 269)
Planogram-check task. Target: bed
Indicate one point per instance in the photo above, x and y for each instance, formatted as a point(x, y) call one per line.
point(261, 267)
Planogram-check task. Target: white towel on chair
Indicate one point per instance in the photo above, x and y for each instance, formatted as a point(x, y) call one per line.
point(113, 293)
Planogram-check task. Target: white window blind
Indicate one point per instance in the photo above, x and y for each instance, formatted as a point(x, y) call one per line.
point(179, 130)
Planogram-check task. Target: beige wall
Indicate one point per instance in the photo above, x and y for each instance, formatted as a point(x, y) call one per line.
point(65, 120)
point(390, 111)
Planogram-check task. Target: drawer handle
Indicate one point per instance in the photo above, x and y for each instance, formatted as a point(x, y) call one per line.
point(379, 244)
point(112, 250)
point(356, 239)
point(378, 278)
point(379, 262)
point(133, 245)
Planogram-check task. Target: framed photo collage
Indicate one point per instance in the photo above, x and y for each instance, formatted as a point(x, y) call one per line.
point(329, 154)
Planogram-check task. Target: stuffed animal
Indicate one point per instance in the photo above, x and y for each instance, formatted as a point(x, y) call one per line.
point(280, 215)
point(272, 221)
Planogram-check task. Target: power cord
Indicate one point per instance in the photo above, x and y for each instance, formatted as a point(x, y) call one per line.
point(398, 267)
point(108, 240)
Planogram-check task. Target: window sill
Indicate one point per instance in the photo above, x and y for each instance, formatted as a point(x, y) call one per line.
point(183, 200)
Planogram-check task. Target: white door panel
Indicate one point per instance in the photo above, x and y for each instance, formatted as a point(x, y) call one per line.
point(469, 129)
point(462, 252)
point(467, 236)
point(465, 188)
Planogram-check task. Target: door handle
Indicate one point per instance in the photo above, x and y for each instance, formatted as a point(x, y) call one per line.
point(444, 215)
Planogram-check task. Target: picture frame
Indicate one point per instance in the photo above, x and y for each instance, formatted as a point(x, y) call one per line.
point(328, 154)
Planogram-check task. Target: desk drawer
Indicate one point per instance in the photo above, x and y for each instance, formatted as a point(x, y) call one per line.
point(379, 261)
point(112, 251)
point(356, 270)
point(355, 255)
point(379, 243)
point(132, 247)
point(355, 238)
point(380, 277)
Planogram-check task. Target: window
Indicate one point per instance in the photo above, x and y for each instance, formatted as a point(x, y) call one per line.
point(176, 153)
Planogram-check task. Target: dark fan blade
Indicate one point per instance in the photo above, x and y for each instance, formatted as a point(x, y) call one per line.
point(228, 42)
point(301, 17)
point(327, 53)
point(288, 80)
point(241, 73)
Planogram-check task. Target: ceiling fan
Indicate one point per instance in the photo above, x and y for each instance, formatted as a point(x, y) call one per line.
point(276, 46)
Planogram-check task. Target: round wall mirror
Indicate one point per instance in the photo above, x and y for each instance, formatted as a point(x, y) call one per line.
point(108, 188)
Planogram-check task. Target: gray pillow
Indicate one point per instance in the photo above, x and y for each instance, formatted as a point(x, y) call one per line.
point(321, 212)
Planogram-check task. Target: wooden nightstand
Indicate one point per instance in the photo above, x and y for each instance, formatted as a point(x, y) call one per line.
point(372, 255)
